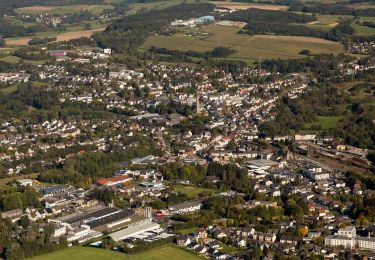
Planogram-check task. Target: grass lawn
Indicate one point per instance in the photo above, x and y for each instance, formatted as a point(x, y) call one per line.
point(13, 88)
point(83, 253)
point(326, 121)
point(188, 231)
point(363, 30)
point(228, 249)
point(165, 252)
point(190, 191)
point(327, 22)
point(8, 90)
point(10, 59)
point(248, 48)
point(4, 181)
point(80, 253)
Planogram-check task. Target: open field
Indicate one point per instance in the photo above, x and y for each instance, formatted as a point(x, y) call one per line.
point(248, 48)
point(188, 231)
point(96, 9)
point(65, 36)
point(243, 6)
point(327, 21)
point(79, 253)
point(10, 59)
point(74, 35)
point(363, 30)
point(4, 181)
point(136, 7)
point(326, 122)
point(189, 190)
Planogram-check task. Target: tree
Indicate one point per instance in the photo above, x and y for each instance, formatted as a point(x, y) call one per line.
point(13, 201)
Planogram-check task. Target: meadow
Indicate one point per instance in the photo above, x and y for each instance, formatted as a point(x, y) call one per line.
point(79, 253)
point(248, 48)
point(326, 122)
point(190, 191)
point(95, 9)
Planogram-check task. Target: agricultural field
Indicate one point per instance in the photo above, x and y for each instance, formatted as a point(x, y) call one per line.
point(78, 253)
point(190, 191)
point(136, 7)
point(243, 6)
point(95, 9)
point(327, 22)
point(75, 35)
point(363, 30)
point(248, 48)
point(61, 36)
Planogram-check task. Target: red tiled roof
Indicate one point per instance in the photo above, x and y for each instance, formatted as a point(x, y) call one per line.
point(104, 181)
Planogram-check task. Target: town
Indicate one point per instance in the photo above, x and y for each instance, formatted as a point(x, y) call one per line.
point(127, 147)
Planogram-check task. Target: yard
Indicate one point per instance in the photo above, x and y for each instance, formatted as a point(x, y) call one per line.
point(248, 48)
point(80, 253)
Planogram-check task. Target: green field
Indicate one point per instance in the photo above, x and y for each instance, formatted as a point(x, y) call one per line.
point(363, 30)
point(10, 59)
point(188, 231)
point(326, 122)
point(4, 181)
point(190, 191)
point(248, 48)
point(63, 9)
point(326, 22)
point(136, 7)
point(83, 253)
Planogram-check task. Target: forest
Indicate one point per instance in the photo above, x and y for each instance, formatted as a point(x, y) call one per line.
point(268, 16)
point(128, 33)
point(332, 9)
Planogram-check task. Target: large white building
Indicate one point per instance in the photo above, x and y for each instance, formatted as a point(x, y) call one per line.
point(347, 238)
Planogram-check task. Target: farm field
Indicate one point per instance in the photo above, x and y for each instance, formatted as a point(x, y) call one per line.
point(78, 34)
point(248, 48)
point(96, 9)
point(363, 30)
point(64, 36)
point(242, 6)
point(326, 22)
point(78, 253)
point(189, 190)
point(136, 7)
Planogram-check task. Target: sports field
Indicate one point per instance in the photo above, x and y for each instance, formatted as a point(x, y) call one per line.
point(248, 48)
point(63, 9)
point(80, 253)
